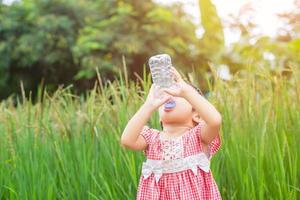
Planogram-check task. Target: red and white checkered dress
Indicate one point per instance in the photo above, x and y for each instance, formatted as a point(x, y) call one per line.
point(183, 185)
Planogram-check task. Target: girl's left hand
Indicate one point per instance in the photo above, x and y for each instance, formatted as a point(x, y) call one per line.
point(179, 88)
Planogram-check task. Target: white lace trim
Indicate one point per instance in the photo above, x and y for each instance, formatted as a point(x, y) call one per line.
point(158, 167)
point(172, 148)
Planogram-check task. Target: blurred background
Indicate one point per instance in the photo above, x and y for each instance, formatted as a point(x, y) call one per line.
point(62, 42)
point(73, 73)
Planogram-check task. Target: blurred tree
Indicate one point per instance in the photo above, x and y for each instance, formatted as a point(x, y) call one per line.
point(36, 41)
point(63, 41)
point(259, 51)
point(212, 42)
point(135, 29)
point(291, 28)
point(289, 38)
point(211, 45)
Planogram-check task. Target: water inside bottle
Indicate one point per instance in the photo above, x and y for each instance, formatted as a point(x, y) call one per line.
point(160, 66)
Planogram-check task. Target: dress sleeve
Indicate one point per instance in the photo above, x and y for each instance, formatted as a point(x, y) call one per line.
point(215, 145)
point(147, 133)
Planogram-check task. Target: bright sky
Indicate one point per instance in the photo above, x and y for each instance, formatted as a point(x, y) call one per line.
point(264, 13)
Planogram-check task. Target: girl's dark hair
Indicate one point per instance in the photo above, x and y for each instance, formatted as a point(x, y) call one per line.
point(196, 88)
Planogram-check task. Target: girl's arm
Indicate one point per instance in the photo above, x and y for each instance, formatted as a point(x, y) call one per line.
point(131, 137)
point(206, 111)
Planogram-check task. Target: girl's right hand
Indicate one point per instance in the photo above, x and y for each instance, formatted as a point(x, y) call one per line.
point(156, 97)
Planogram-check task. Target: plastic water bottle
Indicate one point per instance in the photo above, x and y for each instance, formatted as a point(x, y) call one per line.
point(160, 68)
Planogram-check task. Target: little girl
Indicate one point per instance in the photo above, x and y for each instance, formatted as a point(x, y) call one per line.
point(178, 158)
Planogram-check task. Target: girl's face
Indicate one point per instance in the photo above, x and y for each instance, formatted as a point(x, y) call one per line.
point(181, 113)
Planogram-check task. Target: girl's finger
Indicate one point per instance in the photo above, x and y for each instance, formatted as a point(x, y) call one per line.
point(176, 73)
point(174, 76)
point(166, 98)
point(169, 91)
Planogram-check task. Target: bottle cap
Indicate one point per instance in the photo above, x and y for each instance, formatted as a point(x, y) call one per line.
point(170, 104)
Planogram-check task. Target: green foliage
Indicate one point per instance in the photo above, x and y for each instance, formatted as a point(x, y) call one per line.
point(36, 43)
point(136, 30)
point(282, 51)
point(63, 41)
point(212, 42)
point(68, 147)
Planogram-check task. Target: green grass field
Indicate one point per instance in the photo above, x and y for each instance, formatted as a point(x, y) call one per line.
point(67, 147)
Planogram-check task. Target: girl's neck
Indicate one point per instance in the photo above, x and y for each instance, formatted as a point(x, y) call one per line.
point(174, 130)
